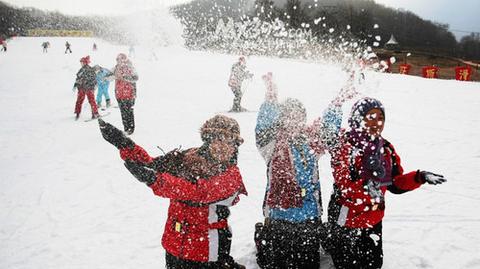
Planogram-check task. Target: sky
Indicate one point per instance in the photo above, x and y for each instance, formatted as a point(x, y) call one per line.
point(462, 15)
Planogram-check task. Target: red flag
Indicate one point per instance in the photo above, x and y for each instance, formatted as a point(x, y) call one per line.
point(404, 69)
point(430, 72)
point(463, 73)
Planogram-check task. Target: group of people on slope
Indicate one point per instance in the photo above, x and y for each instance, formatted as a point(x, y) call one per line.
point(202, 183)
point(125, 88)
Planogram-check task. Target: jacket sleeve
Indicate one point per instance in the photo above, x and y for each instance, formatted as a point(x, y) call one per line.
point(136, 154)
point(402, 182)
point(325, 130)
point(204, 191)
point(266, 129)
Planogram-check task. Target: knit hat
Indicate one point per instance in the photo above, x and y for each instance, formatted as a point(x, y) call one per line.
point(360, 109)
point(292, 107)
point(85, 60)
point(121, 57)
point(221, 125)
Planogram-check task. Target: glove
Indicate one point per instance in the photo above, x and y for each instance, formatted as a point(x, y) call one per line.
point(114, 136)
point(430, 178)
point(140, 172)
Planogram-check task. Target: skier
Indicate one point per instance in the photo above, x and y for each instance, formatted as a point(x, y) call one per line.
point(125, 91)
point(201, 183)
point(94, 47)
point(67, 47)
point(365, 165)
point(4, 45)
point(102, 85)
point(289, 236)
point(45, 46)
point(85, 84)
point(237, 76)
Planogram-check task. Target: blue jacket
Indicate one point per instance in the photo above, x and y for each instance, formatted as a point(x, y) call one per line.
point(304, 158)
point(102, 82)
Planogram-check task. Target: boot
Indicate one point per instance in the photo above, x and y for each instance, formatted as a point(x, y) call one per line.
point(77, 115)
point(108, 103)
point(95, 116)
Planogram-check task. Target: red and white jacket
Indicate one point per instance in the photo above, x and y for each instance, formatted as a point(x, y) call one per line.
point(194, 219)
point(351, 204)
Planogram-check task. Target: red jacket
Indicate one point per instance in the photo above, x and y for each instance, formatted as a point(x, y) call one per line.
point(192, 223)
point(125, 78)
point(357, 208)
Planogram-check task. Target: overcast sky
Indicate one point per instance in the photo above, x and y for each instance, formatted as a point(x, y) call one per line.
point(461, 15)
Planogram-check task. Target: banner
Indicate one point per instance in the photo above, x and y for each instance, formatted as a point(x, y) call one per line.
point(463, 73)
point(430, 72)
point(404, 69)
point(47, 32)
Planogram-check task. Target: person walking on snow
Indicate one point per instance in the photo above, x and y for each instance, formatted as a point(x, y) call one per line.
point(201, 183)
point(45, 46)
point(67, 47)
point(85, 84)
point(102, 85)
point(4, 45)
point(289, 236)
point(238, 74)
point(365, 165)
point(126, 91)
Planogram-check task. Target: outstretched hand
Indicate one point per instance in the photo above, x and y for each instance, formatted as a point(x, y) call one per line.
point(114, 136)
point(432, 178)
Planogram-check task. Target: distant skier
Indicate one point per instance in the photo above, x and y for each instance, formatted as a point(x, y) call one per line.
point(238, 74)
point(131, 51)
point(102, 85)
point(126, 91)
point(45, 46)
point(365, 165)
point(4, 45)
point(201, 184)
point(85, 84)
point(94, 47)
point(67, 47)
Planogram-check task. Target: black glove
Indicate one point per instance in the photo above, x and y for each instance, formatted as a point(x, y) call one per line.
point(430, 178)
point(114, 136)
point(140, 172)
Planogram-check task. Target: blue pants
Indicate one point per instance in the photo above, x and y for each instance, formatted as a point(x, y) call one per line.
point(102, 91)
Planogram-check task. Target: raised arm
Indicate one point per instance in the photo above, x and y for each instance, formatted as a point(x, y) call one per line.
point(268, 120)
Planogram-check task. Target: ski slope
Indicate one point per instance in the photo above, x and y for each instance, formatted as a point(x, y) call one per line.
point(66, 200)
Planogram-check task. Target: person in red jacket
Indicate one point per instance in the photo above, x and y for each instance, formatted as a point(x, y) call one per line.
point(85, 83)
point(365, 165)
point(201, 183)
point(125, 91)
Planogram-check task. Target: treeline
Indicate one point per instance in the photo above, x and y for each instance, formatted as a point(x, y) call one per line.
point(363, 19)
point(17, 21)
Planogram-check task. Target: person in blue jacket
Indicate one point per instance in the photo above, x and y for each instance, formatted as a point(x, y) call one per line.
point(102, 84)
point(289, 236)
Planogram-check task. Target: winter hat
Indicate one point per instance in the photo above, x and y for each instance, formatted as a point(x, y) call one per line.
point(85, 60)
point(292, 106)
point(221, 125)
point(121, 57)
point(360, 109)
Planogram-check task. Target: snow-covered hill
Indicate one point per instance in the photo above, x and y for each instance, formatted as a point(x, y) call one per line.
point(66, 201)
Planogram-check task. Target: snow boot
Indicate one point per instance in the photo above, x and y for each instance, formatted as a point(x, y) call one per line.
point(108, 103)
point(77, 115)
point(95, 116)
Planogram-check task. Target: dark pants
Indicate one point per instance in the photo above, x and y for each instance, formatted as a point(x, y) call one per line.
point(91, 99)
point(282, 244)
point(126, 110)
point(68, 49)
point(357, 248)
point(237, 91)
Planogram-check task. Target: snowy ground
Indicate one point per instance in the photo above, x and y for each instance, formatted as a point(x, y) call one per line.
point(66, 201)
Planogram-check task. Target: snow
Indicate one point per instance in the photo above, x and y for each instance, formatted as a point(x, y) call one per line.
point(66, 200)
